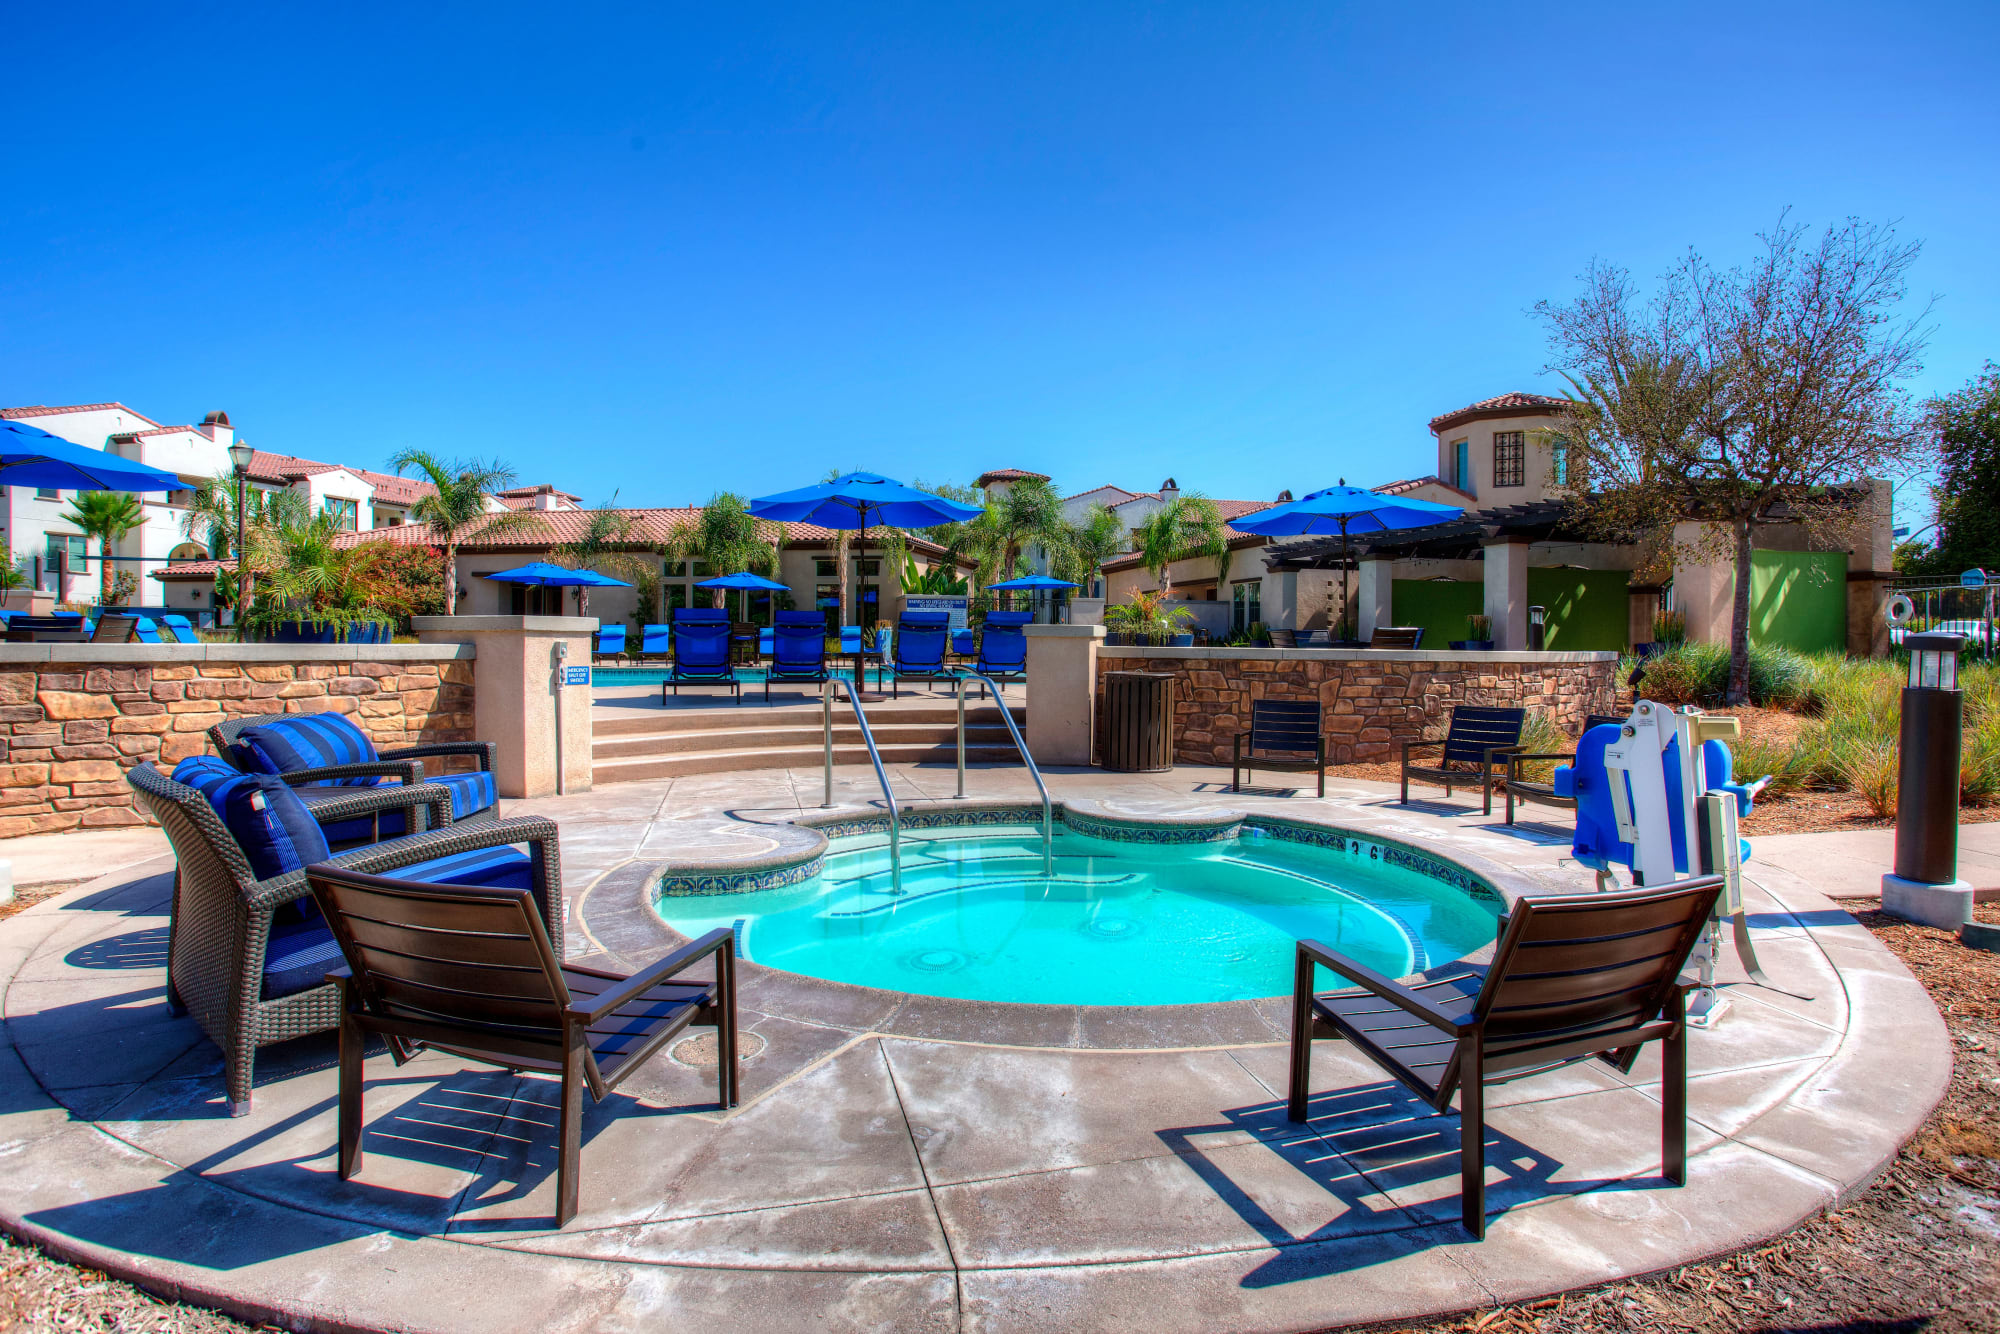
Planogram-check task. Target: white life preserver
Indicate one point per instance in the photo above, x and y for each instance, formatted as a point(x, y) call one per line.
point(1901, 609)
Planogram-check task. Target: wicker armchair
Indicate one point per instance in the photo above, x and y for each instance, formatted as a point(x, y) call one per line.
point(223, 914)
point(404, 763)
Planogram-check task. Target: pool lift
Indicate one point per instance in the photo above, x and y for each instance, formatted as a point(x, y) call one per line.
point(1666, 787)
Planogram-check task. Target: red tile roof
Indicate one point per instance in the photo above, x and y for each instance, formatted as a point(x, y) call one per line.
point(1229, 509)
point(1513, 404)
point(43, 410)
point(1412, 483)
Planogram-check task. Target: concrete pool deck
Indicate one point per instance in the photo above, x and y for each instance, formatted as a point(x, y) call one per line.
point(876, 1178)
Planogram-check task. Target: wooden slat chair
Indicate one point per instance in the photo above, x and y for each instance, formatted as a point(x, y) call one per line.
point(1281, 638)
point(1474, 750)
point(1397, 637)
point(1526, 789)
point(111, 629)
point(321, 753)
point(1281, 726)
point(470, 971)
point(1572, 977)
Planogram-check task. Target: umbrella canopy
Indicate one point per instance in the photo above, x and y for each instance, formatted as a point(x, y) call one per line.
point(746, 580)
point(1030, 582)
point(862, 500)
point(30, 456)
point(1345, 509)
point(542, 574)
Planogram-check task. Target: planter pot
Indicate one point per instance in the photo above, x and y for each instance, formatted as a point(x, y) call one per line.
point(1472, 646)
point(1183, 641)
point(1114, 639)
point(304, 632)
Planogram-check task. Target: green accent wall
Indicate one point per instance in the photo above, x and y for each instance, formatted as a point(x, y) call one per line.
point(1798, 599)
point(1440, 608)
point(1588, 610)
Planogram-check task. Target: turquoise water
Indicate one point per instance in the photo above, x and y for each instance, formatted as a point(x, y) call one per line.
point(652, 676)
point(1119, 923)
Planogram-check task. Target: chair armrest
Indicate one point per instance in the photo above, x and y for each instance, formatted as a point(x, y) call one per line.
point(1486, 754)
point(647, 978)
point(278, 890)
point(410, 771)
point(1515, 759)
point(429, 803)
point(482, 750)
point(1409, 746)
point(1375, 984)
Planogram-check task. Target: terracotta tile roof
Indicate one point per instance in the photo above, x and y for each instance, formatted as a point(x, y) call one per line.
point(1128, 495)
point(393, 490)
point(1500, 405)
point(1412, 483)
point(1229, 509)
point(530, 492)
point(42, 410)
point(1009, 475)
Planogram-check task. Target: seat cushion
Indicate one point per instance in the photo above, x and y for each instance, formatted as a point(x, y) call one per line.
point(470, 793)
point(300, 953)
point(493, 868)
point(309, 741)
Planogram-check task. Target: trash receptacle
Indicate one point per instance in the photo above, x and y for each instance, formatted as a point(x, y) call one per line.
point(1138, 722)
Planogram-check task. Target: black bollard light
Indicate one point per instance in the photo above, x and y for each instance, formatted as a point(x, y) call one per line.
point(1924, 886)
point(1538, 628)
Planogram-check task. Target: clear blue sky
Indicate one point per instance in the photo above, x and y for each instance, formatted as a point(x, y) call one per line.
point(668, 250)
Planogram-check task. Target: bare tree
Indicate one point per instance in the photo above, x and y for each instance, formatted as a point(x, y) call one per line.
point(1744, 398)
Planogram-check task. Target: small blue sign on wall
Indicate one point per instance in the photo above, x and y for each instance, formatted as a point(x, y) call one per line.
point(576, 676)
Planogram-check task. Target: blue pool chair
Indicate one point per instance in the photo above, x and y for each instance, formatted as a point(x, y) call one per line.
point(610, 642)
point(1003, 647)
point(179, 628)
point(701, 652)
point(656, 641)
point(921, 640)
point(764, 642)
point(146, 632)
point(798, 651)
point(964, 643)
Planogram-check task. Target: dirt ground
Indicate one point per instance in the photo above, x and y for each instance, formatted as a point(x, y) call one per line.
point(1918, 1251)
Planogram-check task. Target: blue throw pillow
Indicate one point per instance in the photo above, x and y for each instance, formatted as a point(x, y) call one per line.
point(273, 827)
point(309, 741)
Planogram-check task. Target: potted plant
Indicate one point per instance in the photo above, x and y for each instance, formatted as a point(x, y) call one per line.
point(1478, 635)
point(1669, 628)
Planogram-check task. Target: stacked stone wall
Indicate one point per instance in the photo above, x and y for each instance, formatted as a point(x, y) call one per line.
point(1371, 706)
point(69, 731)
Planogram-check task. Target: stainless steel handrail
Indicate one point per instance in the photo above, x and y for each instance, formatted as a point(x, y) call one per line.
point(875, 758)
point(1021, 748)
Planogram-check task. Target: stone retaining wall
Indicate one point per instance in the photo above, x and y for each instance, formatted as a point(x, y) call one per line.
point(1373, 701)
point(71, 725)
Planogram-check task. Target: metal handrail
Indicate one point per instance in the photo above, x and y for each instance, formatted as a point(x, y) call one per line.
point(1021, 748)
point(875, 758)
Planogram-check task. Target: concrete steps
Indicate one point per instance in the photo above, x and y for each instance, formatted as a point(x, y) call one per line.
point(675, 742)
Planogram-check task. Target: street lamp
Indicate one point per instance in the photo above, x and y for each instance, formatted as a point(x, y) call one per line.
point(240, 454)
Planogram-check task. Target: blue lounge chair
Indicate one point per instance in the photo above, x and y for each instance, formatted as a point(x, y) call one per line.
point(764, 642)
point(964, 643)
point(1003, 647)
point(180, 629)
point(610, 642)
point(798, 651)
point(146, 632)
point(701, 652)
point(921, 640)
point(656, 642)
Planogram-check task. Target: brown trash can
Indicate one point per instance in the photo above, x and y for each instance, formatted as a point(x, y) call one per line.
point(1138, 722)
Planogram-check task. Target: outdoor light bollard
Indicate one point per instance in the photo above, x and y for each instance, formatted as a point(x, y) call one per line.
point(1925, 886)
point(1538, 628)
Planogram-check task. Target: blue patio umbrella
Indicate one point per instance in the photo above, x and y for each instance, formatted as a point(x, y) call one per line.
point(30, 456)
point(1029, 583)
point(1345, 509)
point(746, 581)
point(542, 574)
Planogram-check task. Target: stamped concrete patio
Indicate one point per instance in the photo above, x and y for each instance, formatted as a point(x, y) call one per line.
point(898, 1163)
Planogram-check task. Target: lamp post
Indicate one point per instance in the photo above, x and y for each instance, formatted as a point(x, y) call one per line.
point(1925, 886)
point(240, 454)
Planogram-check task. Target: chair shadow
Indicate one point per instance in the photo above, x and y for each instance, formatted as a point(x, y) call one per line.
point(1533, 832)
point(146, 896)
point(145, 948)
point(1368, 1147)
point(1247, 790)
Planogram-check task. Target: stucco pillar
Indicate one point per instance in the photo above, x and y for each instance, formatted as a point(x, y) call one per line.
point(1704, 582)
point(1374, 595)
point(1506, 561)
point(517, 703)
point(1642, 601)
point(1062, 692)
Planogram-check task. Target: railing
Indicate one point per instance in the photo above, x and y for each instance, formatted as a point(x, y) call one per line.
point(882, 777)
point(1021, 748)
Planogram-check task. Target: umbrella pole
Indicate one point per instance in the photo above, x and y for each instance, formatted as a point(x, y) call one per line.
point(1343, 579)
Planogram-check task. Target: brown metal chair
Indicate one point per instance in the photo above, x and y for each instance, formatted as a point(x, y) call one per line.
point(115, 630)
point(1285, 727)
point(1572, 977)
point(469, 970)
point(1527, 789)
point(1477, 741)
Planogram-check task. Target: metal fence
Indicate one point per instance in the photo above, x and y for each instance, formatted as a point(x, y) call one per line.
point(1949, 606)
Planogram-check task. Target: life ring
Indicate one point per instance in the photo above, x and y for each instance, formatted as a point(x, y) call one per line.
point(1901, 609)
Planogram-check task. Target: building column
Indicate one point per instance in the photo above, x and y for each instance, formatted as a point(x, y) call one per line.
point(1374, 601)
point(522, 703)
point(1062, 665)
point(1506, 561)
point(1704, 582)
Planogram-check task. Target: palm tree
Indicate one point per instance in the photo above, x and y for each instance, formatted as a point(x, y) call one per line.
point(1098, 537)
point(601, 545)
point(1027, 514)
point(106, 516)
point(315, 576)
point(727, 539)
point(455, 510)
point(1188, 525)
point(211, 520)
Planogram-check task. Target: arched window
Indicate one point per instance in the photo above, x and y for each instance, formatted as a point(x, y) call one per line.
point(187, 551)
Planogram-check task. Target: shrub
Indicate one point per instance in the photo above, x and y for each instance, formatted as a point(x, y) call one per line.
point(1541, 736)
point(1979, 764)
point(1699, 674)
point(1479, 628)
point(1788, 764)
point(1870, 769)
point(1670, 627)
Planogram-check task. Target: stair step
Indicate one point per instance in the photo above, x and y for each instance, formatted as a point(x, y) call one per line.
point(781, 757)
point(754, 717)
point(886, 734)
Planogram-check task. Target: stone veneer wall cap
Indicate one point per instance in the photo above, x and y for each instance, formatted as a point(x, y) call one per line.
point(533, 625)
point(1468, 658)
point(149, 655)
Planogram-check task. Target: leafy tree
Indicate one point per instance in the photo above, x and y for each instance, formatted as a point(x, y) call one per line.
point(211, 520)
point(1027, 514)
point(602, 544)
point(455, 510)
point(1966, 428)
point(937, 579)
point(727, 539)
point(406, 581)
point(1187, 526)
point(12, 575)
point(1093, 540)
point(315, 576)
point(1742, 398)
point(106, 516)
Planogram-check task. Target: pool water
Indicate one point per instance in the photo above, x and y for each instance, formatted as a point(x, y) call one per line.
point(1119, 923)
point(652, 676)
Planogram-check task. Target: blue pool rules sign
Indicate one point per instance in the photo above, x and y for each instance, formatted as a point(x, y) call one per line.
point(576, 676)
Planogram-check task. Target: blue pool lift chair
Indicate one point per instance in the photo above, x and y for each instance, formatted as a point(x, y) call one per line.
point(610, 643)
point(1003, 647)
point(701, 652)
point(798, 651)
point(922, 639)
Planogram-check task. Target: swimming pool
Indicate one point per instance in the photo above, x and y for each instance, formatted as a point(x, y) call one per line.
point(652, 676)
point(1120, 922)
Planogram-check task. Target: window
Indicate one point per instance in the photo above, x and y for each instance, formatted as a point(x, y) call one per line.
point(826, 597)
point(346, 514)
point(1246, 605)
point(57, 546)
point(867, 568)
point(181, 499)
point(1510, 453)
point(1559, 460)
point(825, 569)
point(47, 493)
point(1461, 466)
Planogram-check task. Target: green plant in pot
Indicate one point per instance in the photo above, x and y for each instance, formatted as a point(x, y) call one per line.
point(1148, 619)
point(1478, 634)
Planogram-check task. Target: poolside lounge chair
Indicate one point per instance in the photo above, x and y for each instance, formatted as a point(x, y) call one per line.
point(1523, 789)
point(323, 752)
point(46, 630)
point(1281, 638)
point(921, 640)
point(965, 643)
point(701, 652)
point(115, 629)
point(655, 642)
point(1397, 637)
point(1572, 977)
point(1475, 749)
point(610, 643)
point(181, 630)
point(245, 957)
point(147, 631)
point(1282, 726)
point(1003, 648)
point(798, 651)
point(472, 971)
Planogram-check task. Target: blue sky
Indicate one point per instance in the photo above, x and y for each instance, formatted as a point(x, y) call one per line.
point(668, 250)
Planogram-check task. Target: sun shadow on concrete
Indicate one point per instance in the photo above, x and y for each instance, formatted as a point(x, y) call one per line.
point(145, 948)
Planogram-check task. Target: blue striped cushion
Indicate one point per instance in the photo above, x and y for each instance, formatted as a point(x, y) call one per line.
point(299, 954)
point(309, 741)
point(276, 830)
point(470, 793)
point(494, 868)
